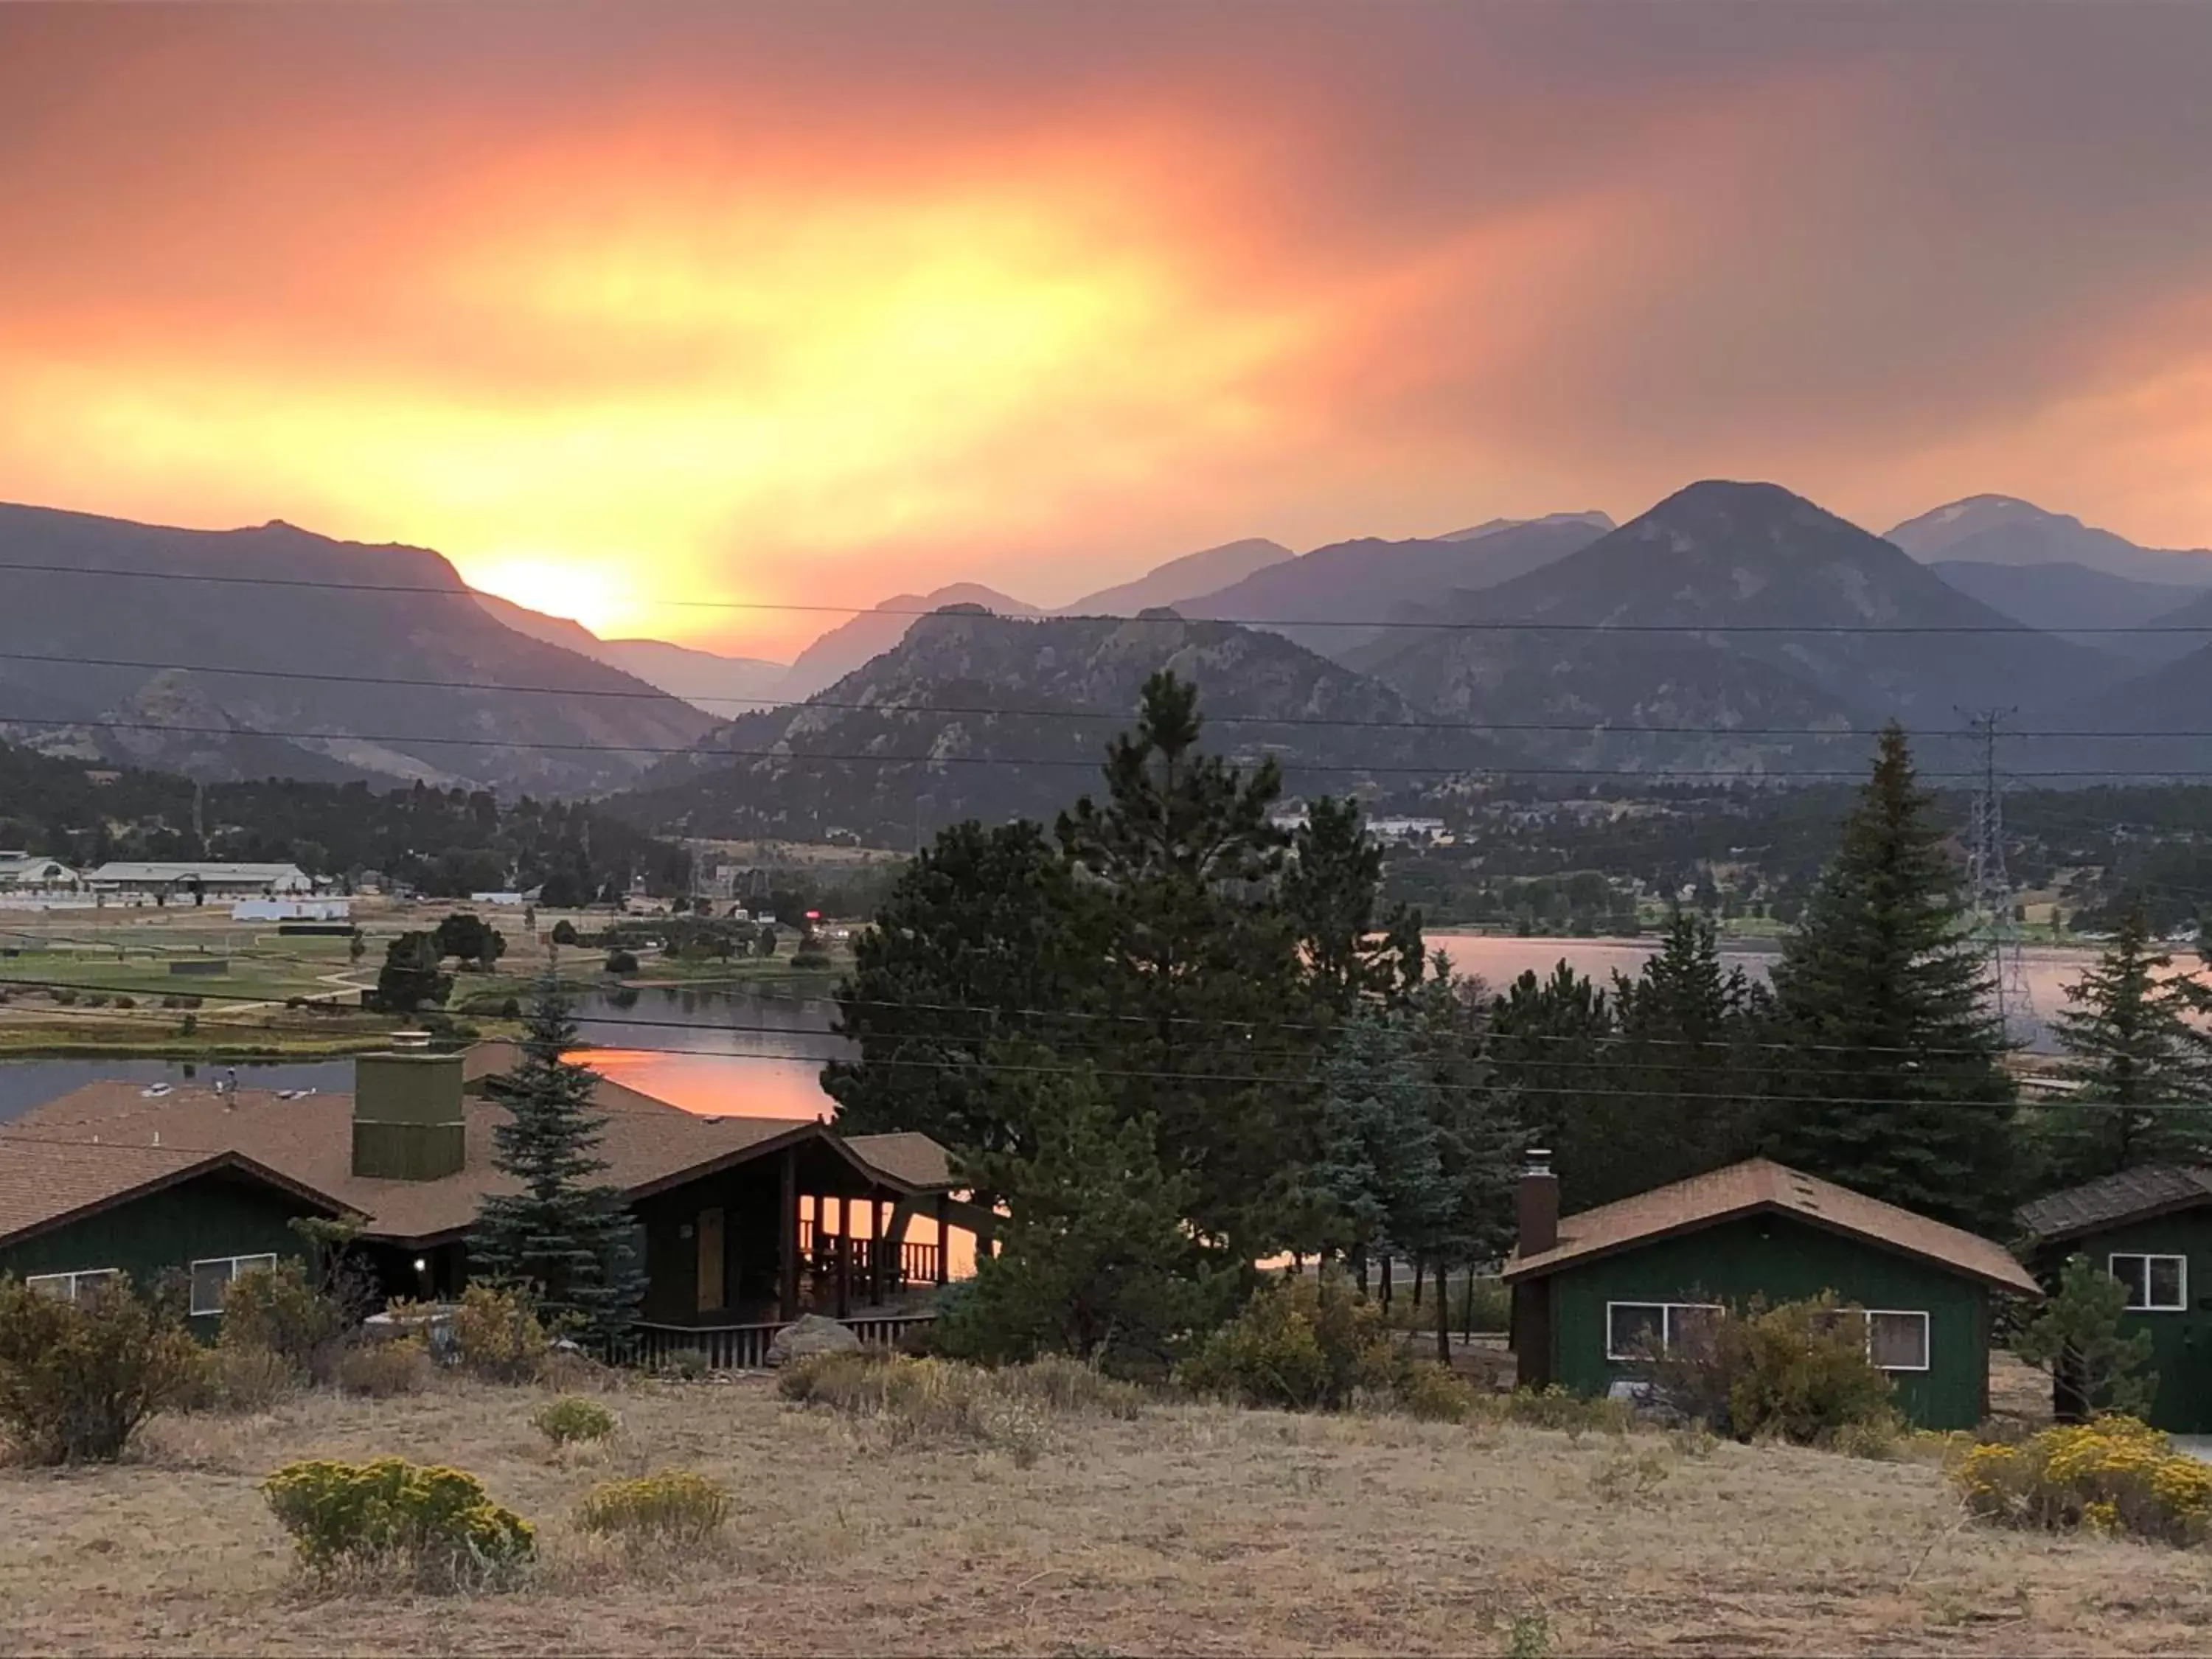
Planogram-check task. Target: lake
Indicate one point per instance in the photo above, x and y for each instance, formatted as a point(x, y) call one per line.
point(758, 1052)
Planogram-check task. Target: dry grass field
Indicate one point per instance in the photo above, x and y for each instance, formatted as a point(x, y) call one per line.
point(1189, 1529)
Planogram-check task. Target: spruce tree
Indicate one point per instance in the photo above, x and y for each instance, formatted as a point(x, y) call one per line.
point(1331, 889)
point(1554, 1042)
point(2133, 1050)
point(567, 1239)
point(1889, 1079)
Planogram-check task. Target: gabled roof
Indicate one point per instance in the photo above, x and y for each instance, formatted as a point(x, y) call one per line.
point(2131, 1195)
point(649, 1147)
point(1762, 1186)
point(45, 1184)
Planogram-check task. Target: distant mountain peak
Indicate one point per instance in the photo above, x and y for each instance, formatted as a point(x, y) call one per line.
point(1992, 529)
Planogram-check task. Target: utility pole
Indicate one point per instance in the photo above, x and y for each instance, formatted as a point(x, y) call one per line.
point(1993, 923)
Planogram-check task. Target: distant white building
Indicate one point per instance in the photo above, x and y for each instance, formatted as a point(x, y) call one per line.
point(24, 872)
point(292, 910)
point(131, 878)
point(1405, 832)
point(502, 900)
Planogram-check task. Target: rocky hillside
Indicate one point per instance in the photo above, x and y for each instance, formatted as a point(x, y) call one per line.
point(974, 714)
point(217, 659)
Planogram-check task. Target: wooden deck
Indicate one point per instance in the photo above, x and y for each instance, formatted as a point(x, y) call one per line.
point(745, 1347)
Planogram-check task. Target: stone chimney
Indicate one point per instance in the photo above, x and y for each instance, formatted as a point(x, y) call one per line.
point(1539, 1205)
point(407, 1123)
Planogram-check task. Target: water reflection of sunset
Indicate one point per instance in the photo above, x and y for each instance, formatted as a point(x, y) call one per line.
point(722, 1085)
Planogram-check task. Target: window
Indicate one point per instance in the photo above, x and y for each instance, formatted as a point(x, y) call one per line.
point(1636, 1330)
point(71, 1287)
point(2154, 1283)
point(1896, 1341)
point(211, 1279)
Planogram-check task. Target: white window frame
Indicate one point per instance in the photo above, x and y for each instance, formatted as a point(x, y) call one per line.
point(1667, 1312)
point(2147, 1257)
point(237, 1264)
point(1927, 1338)
point(70, 1282)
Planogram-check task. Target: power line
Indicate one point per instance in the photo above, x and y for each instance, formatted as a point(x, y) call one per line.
point(1515, 625)
point(1088, 762)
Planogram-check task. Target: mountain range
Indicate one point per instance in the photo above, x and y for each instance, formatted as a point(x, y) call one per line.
point(1733, 627)
point(272, 651)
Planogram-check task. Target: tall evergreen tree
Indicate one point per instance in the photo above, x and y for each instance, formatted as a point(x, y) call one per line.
point(565, 1237)
point(1688, 1056)
point(1552, 1041)
point(1202, 1017)
point(982, 940)
point(2132, 1050)
point(1330, 890)
point(1891, 1082)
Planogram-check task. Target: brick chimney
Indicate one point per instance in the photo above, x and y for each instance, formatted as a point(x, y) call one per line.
point(1539, 1205)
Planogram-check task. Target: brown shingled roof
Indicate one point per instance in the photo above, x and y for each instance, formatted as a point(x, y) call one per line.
point(45, 1184)
point(649, 1145)
point(2130, 1195)
point(1759, 1184)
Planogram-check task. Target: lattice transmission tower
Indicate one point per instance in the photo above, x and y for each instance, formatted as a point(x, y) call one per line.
point(1994, 925)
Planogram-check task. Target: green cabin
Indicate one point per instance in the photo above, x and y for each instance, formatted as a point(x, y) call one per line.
point(74, 1215)
point(1595, 1292)
point(2151, 1228)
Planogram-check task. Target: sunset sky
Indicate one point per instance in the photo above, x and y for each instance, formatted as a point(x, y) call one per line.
point(624, 304)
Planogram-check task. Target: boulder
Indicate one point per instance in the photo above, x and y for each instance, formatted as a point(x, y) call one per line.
point(809, 1333)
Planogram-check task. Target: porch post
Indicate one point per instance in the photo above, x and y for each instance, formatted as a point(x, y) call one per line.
point(787, 1292)
point(943, 1270)
point(876, 1247)
point(844, 1276)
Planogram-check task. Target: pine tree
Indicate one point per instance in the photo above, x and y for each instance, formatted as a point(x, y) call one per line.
point(566, 1240)
point(1552, 1041)
point(2133, 1050)
point(1689, 1063)
point(1330, 890)
point(1202, 1016)
point(1095, 1259)
point(984, 936)
point(1890, 1083)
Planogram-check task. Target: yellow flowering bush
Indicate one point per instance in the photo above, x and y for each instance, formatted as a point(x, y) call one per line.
point(676, 1506)
point(2116, 1476)
point(436, 1524)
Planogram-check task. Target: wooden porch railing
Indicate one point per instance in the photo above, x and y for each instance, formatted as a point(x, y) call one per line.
point(745, 1347)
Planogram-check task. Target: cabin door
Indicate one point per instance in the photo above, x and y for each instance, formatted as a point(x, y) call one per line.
point(711, 1292)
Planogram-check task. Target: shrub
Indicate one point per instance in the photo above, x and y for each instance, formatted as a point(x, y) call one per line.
point(1798, 1370)
point(2115, 1475)
point(382, 1369)
point(622, 962)
point(1555, 1408)
point(910, 1400)
point(126, 1002)
point(1435, 1394)
point(2080, 1336)
point(497, 1336)
point(276, 1310)
point(1629, 1477)
point(563, 1421)
point(252, 1379)
point(1304, 1343)
point(564, 931)
point(676, 1506)
point(810, 960)
point(436, 1524)
point(78, 1379)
